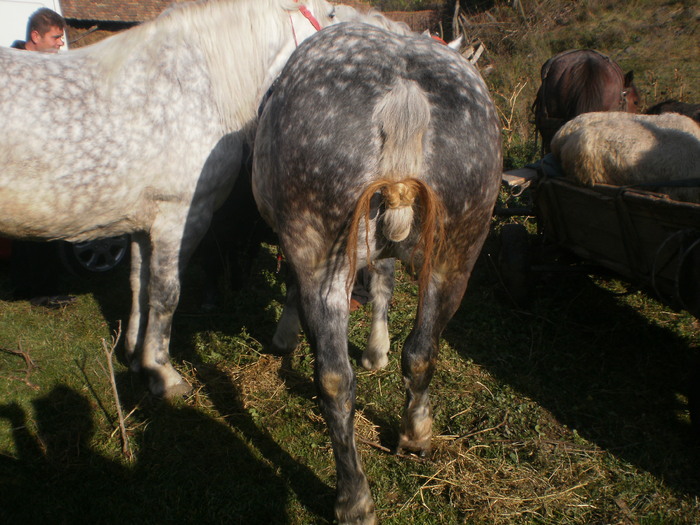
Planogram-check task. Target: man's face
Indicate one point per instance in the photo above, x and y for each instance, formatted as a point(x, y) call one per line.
point(49, 42)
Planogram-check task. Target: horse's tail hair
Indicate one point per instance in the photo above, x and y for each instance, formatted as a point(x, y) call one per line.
point(403, 116)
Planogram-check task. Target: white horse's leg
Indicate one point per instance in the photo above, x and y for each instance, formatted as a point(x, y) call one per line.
point(138, 278)
point(375, 355)
point(286, 335)
point(163, 293)
point(170, 251)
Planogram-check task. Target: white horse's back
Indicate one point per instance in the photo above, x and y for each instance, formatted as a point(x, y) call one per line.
point(85, 129)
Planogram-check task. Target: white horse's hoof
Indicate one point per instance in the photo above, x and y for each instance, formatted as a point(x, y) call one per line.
point(165, 382)
point(182, 389)
point(372, 361)
point(376, 355)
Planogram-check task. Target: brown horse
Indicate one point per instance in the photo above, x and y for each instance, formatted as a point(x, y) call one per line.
point(674, 106)
point(580, 81)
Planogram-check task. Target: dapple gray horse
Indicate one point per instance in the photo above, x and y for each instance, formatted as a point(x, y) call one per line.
point(141, 134)
point(375, 146)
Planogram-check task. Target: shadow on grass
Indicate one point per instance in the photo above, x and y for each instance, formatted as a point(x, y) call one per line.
point(595, 363)
point(187, 468)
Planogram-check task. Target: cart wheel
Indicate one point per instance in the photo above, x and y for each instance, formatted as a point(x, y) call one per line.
point(514, 263)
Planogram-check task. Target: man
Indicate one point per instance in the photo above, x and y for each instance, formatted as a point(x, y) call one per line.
point(45, 30)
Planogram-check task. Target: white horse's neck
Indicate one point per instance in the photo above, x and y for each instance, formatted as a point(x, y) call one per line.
point(244, 61)
point(244, 42)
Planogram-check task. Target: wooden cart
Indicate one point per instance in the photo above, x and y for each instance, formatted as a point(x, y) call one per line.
point(647, 238)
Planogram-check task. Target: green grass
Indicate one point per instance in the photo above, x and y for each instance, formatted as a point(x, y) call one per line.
point(574, 411)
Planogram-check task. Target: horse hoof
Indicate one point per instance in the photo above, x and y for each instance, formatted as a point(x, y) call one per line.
point(367, 520)
point(359, 513)
point(179, 390)
point(423, 453)
point(374, 362)
point(172, 386)
point(422, 448)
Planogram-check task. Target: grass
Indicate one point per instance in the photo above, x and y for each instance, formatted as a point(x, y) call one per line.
point(571, 411)
point(574, 411)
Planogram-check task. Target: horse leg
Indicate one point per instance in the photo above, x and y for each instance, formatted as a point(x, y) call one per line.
point(138, 278)
point(375, 355)
point(170, 251)
point(326, 312)
point(441, 300)
point(286, 335)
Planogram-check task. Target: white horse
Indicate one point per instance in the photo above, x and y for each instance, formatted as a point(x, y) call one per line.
point(141, 134)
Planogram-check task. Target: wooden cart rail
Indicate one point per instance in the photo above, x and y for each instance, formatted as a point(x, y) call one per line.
point(646, 237)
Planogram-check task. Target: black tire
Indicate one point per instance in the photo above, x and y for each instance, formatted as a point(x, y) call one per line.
point(514, 263)
point(96, 257)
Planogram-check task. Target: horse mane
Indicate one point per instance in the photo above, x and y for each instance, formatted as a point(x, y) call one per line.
point(346, 13)
point(588, 82)
point(235, 38)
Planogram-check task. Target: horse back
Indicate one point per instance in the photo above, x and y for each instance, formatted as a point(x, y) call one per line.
point(580, 81)
point(102, 144)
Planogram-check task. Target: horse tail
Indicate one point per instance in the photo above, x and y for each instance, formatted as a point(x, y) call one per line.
point(403, 116)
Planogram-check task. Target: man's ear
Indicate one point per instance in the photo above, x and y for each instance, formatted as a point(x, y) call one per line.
point(35, 36)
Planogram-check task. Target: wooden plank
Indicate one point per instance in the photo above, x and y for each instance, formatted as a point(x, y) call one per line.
point(521, 177)
point(636, 233)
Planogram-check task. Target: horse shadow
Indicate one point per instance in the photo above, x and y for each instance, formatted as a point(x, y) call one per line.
point(206, 464)
point(595, 363)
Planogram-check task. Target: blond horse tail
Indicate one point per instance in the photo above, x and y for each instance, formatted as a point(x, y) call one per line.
point(403, 116)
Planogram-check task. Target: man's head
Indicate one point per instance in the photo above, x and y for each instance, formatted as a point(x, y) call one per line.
point(45, 31)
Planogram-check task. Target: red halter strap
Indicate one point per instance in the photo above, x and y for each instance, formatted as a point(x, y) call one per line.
point(309, 16)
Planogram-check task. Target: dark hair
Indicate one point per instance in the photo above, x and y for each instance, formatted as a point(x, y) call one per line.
point(42, 20)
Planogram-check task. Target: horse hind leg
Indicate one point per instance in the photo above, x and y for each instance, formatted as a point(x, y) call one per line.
point(326, 311)
point(376, 355)
point(419, 357)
